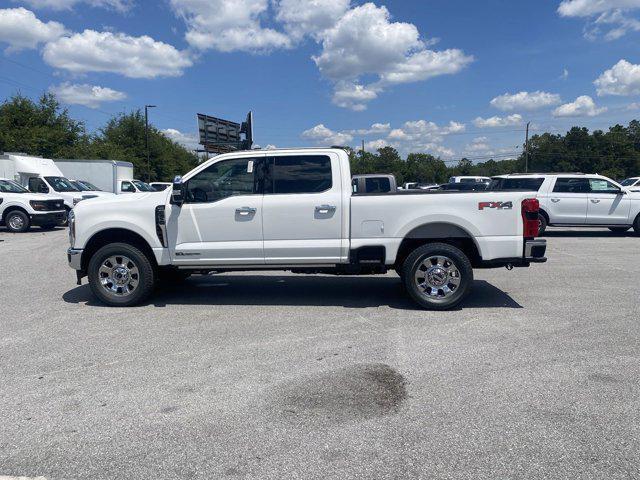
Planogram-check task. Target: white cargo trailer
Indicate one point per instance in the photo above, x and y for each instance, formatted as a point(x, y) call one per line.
point(104, 174)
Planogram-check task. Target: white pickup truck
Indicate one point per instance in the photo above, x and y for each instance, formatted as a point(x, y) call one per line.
point(295, 210)
point(20, 209)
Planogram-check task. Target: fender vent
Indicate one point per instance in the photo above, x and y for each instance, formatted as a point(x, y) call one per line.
point(161, 225)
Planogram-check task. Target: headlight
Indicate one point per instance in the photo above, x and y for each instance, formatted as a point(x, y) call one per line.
point(71, 218)
point(39, 206)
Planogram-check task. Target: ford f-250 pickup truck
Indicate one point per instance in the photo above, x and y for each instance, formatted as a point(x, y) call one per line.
point(295, 210)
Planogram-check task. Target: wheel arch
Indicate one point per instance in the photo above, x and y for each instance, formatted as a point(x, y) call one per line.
point(544, 213)
point(13, 208)
point(441, 232)
point(116, 235)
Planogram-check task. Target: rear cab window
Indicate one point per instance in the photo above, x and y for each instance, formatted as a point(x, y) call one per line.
point(298, 174)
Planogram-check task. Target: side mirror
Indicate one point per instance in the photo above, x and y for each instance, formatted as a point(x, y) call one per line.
point(177, 194)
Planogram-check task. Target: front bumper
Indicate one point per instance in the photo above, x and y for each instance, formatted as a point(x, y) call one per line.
point(74, 257)
point(50, 218)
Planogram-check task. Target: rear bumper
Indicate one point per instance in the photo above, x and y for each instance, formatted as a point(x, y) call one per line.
point(534, 251)
point(51, 218)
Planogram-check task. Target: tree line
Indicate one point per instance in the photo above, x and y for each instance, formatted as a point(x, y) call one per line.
point(42, 127)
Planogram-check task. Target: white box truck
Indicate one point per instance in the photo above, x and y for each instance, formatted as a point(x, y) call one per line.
point(107, 175)
point(40, 175)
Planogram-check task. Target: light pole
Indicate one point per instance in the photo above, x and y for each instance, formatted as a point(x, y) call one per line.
point(146, 138)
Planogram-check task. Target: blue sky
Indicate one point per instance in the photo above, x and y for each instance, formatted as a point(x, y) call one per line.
point(453, 78)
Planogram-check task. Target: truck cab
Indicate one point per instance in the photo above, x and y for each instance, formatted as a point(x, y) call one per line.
point(134, 186)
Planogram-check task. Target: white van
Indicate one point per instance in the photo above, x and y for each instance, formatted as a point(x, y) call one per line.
point(40, 175)
point(21, 209)
point(469, 179)
point(134, 186)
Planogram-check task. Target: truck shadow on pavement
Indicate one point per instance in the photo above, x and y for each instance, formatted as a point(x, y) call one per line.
point(349, 292)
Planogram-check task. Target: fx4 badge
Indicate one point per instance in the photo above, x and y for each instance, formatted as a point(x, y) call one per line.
point(496, 205)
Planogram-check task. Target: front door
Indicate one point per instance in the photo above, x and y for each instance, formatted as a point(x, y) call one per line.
point(220, 222)
point(568, 200)
point(607, 204)
point(302, 210)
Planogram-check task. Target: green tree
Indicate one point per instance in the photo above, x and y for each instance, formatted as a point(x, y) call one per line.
point(39, 127)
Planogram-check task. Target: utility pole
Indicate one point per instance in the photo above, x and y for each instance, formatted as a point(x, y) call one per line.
point(363, 147)
point(526, 150)
point(146, 139)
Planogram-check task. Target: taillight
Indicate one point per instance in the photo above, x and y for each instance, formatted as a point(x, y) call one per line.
point(530, 214)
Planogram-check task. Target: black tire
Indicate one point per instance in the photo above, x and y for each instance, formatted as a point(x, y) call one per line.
point(636, 226)
point(460, 263)
point(17, 221)
point(65, 222)
point(619, 229)
point(542, 224)
point(145, 275)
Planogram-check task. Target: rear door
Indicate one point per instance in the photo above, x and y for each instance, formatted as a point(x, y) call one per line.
point(607, 204)
point(568, 200)
point(302, 209)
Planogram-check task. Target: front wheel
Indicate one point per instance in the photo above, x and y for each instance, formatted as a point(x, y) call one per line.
point(17, 221)
point(437, 276)
point(120, 275)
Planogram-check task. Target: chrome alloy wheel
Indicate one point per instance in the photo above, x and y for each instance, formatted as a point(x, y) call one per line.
point(16, 222)
point(119, 275)
point(437, 278)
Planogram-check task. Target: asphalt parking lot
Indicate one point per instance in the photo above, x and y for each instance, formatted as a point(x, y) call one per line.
point(274, 376)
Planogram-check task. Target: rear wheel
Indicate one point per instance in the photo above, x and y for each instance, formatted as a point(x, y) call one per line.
point(437, 276)
point(17, 221)
point(120, 275)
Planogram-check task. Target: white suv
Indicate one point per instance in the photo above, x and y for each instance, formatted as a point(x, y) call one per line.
point(578, 200)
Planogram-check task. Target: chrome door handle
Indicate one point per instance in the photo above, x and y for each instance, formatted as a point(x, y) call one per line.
point(245, 211)
point(594, 200)
point(555, 200)
point(324, 209)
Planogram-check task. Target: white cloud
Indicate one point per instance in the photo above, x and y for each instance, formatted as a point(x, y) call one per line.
point(187, 140)
point(309, 17)
point(229, 25)
point(525, 101)
point(119, 5)
point(496, 122)
point(375, 129)
point(375, 145)
point(623, 79)
point(633, 106)
point(479, 145)
point(611, 15)
point(322, 135)
point(583, 106)
point(133, 57)
point(88, 95)
point(565, 74)
point(364, 42)
point(21, 29)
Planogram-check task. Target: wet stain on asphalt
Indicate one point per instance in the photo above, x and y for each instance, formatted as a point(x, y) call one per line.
point(356, 392)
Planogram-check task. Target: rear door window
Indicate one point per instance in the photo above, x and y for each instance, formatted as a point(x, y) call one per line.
point(523, 184)
point(571, 185)
point(300, 174)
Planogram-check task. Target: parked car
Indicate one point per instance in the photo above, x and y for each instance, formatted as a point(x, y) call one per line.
point(160, 186)
point(419, 186)
point(295, 210)
point(20, 209)
point(135, 186)
point(374, 183)
point(89, 190)
point(577, 200)
point(632, 183)
point(469, 179)
point(105, 175)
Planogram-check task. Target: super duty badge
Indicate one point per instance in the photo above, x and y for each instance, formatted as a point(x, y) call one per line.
point(496, 205)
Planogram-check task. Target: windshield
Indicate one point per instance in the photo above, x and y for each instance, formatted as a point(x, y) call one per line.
point(79, 185)
point(142, 186)
point(61, 184)
point(88, 186)
point(629, 182)
point(7, 186)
